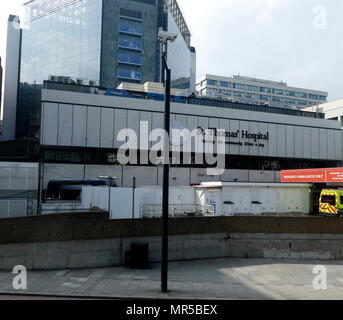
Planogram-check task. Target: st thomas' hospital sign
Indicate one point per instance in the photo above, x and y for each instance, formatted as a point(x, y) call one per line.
point(257, 138)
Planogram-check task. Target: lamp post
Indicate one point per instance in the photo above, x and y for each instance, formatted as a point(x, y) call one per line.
point(110, 181)
point(163, 38)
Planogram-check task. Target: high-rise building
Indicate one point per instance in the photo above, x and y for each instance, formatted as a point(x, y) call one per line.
point(100, 42)
point(252, 90)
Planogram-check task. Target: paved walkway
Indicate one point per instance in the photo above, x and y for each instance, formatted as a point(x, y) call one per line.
point(210, 279)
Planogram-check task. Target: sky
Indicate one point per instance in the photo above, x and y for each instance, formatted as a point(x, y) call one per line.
point(298, 42)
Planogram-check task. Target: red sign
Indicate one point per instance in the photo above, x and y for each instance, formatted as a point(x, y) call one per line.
point(313, 175)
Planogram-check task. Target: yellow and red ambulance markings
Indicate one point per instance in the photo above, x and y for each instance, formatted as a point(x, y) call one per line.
point(326, 207)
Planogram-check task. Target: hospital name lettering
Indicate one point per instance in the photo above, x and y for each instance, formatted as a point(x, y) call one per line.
point(237, 134)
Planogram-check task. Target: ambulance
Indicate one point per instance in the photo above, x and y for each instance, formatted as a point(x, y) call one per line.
point(331, 202)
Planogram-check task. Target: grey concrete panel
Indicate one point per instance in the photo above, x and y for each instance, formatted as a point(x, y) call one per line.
point(331, 144)
point(290, 141)
point(281, 139)
point(273, 140)
point(93, 127)
point(50, 123)
point(307, 143)
point(254, 129)
point(323, 145)
point(178, 176)
point(80, 126)
point(315, 143)
point(106, 131)
point(234, 126)
point(146, 176)
point(120, 123)
point(235, 175)
point(298, 143)
point(263, 151)
point(261, 176)
point(65, 125)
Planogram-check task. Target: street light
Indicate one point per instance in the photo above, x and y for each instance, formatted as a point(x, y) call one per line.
point(163, 38)
point(110, 182)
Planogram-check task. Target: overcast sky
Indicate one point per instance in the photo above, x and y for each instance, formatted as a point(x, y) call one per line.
point(299, 42)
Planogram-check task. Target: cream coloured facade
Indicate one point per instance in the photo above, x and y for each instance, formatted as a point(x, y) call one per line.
point(333, 110)
point(260, 91)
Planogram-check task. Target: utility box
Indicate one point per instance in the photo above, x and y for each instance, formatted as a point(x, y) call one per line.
point(138, 256)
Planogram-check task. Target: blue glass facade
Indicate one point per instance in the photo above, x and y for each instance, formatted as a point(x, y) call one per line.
point(179, 57)
point(65, 42)
point(104, 41)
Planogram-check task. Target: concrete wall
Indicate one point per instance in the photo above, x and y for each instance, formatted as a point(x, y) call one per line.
point(90, 240)
point(111, 252)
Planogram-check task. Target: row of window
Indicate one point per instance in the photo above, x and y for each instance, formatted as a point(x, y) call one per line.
point(131, 29)
point(263, 89)
point(130, 34)
point(256, 96)
point(129, 74)
point(131, 44)
point(131, 59)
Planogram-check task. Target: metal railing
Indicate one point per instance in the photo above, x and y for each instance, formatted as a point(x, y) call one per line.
point(177, 211)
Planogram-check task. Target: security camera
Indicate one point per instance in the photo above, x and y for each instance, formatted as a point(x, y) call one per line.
point(165, 36)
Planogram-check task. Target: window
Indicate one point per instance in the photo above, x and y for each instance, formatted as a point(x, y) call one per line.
point(323, 98)
point(290, 101)
point(301, 95)
point(277, 99)
point(302, 102)
point(329, 199)
point(252, 96)
point(129, 74)
point(264, 97)
point(129, 28)
point(252, 88)
point(131, 14)
point(265, 90)
point(278, 91)
point(238, 94)
point(211, 90)
point(313, 96)
point(129, 59)
point(224, 84)
point(211, 82)
point(239, 86)
point(133, 44)
point(290, 93)
point(227, 92)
